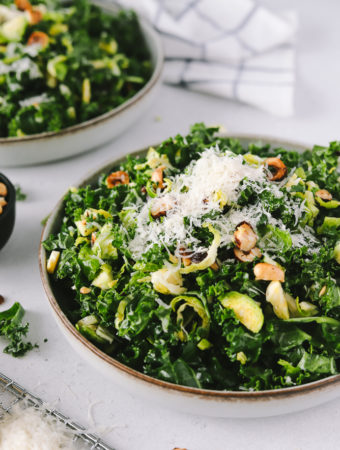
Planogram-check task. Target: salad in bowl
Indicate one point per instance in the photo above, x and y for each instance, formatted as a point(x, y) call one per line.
point(207, 262)
point(64, 63)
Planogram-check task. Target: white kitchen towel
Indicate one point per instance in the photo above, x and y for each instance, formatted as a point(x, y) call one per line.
point(236, 49)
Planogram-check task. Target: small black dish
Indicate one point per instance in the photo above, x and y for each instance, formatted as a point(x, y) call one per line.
point(7, 218)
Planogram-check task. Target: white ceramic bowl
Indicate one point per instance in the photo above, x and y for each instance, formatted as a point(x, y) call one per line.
point(50, 146)
point(182, 398)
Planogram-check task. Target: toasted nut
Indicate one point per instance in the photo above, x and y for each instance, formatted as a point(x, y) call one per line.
point(3, 201)
point(1, 209)
point(186, 256)
point(34, 15)
point(2, 299)
point(157, 176)
point(38, 37)
point(268, 272)
point(245, 237)
point(3, 190)
point(117, 178)
point(186, 262)
point(160, 207)
point(323, 291)
point(280, 169)
point(247, 256)
point(324, 195)
point(214, 266)
point(53, 261)
point(23, 5)
point(84, 290)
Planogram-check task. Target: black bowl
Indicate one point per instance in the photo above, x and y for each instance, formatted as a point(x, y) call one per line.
point(7, 218)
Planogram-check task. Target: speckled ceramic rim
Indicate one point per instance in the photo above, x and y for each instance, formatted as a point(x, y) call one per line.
point(156, 74)
point(226, 396)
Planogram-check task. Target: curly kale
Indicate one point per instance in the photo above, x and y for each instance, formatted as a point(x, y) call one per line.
point(196, 335)
point(14, 331)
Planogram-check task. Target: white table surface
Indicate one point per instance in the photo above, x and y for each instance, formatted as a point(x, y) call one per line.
point(56, 373)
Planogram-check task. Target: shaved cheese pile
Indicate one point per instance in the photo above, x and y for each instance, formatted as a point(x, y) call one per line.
point(27, 428)
point(206, 186)
point(214, 178)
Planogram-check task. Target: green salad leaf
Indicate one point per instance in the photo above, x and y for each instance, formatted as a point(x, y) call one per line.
point(14, 331)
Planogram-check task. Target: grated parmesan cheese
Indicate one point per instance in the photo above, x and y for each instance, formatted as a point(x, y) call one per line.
point(193, 194)
point(206, 186)
point(36, 100)
point(27, 428)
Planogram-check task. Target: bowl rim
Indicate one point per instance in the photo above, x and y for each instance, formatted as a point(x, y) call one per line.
point(243, 396)
point(153, 80)
point(12, 196)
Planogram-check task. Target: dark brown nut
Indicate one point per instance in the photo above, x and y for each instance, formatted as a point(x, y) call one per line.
point(247, 256)
point(117, 178)
point(38, 37)
point(157, 177)
point(3, 190)
point(324, 195)
point(279, 168)
point(2, 299)
point(245, 237)
point(198, 257)
point(268, 272)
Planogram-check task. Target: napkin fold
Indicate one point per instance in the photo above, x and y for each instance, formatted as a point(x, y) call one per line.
point(236, 49)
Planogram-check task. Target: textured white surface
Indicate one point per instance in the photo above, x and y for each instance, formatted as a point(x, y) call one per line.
point(55, 371)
